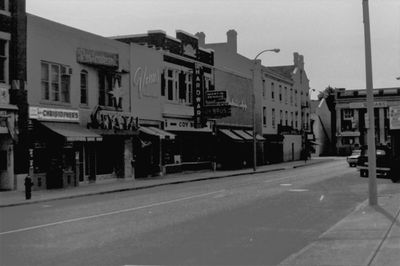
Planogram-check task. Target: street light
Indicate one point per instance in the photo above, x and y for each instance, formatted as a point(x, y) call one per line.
point(276, 50)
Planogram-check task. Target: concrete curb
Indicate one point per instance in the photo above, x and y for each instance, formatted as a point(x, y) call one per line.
point(155, 185)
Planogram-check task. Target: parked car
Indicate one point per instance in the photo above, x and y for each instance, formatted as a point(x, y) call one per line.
point(352, 160)
point(386, 165)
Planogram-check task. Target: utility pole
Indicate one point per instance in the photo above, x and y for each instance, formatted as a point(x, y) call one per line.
point(373, 197)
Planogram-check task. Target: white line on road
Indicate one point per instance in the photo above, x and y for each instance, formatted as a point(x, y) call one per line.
point(109, 213)
point(298, 190)
point(321, 198)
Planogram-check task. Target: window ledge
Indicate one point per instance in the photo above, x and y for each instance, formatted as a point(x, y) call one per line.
point(6, 13)
point(52, 103)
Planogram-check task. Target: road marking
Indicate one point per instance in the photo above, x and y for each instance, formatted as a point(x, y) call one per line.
point(109, 213)
point(298, 190)
point(286, 185)
point(321, 198)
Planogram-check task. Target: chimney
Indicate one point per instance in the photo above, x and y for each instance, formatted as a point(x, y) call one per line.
point(232, 40)
point(298, 60)
point(202, 38)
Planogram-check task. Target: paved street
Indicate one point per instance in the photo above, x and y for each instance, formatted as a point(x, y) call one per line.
point(242, 220)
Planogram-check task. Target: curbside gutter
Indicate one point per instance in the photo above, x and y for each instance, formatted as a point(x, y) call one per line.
point(172, 182)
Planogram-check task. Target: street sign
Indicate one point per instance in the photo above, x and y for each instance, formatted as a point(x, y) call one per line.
point(215, 97)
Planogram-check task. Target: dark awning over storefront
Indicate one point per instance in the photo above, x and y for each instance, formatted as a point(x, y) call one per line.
point(157, 132)
point(238, 134)
point(230, 134)
point(72, 132)
point(258, 137)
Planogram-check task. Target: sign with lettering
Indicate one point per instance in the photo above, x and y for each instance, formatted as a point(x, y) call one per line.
point(394, 117)
point(93, 57)
point(198, 96)
point(113, 120)
point(217, 111)
point(215, 97)
point(144, 78)
point(53, 114)
point(359, 105)
point(185, 125)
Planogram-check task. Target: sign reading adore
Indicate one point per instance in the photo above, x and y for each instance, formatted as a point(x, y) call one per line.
point(93, 57)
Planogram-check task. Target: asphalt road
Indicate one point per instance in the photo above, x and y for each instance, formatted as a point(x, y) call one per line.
point(244, 220)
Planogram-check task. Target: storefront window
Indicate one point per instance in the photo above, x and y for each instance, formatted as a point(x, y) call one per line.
point(55, 82)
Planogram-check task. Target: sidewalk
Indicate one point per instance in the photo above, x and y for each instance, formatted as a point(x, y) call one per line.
point(13, 198)
point(369, 236)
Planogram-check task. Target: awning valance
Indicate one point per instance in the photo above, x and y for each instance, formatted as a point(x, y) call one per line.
point(243, 134)
point(239, 134)
point(72, 132)
point(230, 134)
point(258, 137)
point(162, 134)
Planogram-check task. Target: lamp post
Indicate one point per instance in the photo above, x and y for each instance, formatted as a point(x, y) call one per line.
point(253, 108)
point(372, 186)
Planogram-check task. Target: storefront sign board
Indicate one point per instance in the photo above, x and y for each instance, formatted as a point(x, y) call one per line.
point(113, 120)
point(184, 125)
point(53, 114)
point(215, 97)
point(94, 57)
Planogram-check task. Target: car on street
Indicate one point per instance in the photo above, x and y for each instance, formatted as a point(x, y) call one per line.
point(352, 160)
point(386, 164)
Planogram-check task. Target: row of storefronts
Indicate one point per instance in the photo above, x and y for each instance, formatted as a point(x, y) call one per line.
point(129, 107)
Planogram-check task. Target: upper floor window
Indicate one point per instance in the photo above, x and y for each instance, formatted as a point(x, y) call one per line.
point(286, 118)
point(264, 116)
point(84, 87)
point(55, 82)
point(280, 93)
point(264, 92)
point(3, 60)
point(348, 113)
point(273, 117)
point(291, 96)
point(4, 5)
point(272, 91)
point(281, 117)
point(178, 85)
point(286, 96)
point(108, 82)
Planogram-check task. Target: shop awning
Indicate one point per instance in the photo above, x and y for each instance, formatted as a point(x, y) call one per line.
point(230, 134)
point(243, 134)
point(162, 134)
point(72, 132)
point(258, 137)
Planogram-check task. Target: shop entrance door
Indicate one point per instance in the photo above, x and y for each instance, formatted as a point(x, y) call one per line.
point(90, 162)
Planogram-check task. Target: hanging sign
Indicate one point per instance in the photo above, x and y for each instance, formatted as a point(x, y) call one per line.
point(198, 96)
point(215, 97)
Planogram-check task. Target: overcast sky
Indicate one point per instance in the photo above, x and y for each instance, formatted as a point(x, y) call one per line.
point(329, 33)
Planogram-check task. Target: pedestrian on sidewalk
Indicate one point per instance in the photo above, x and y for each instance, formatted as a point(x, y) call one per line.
point(28, 187)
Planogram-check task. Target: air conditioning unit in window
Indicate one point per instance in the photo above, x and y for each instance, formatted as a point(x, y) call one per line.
point(66, 70)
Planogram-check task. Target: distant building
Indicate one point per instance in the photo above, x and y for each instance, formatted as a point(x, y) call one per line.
point(321, 127)
point(12, 85)
point(281, 99)
point(352, 121)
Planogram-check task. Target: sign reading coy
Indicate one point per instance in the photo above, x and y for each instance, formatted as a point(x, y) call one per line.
point(93, 57)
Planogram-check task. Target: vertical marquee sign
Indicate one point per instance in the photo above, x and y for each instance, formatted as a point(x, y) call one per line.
point(198, 96)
